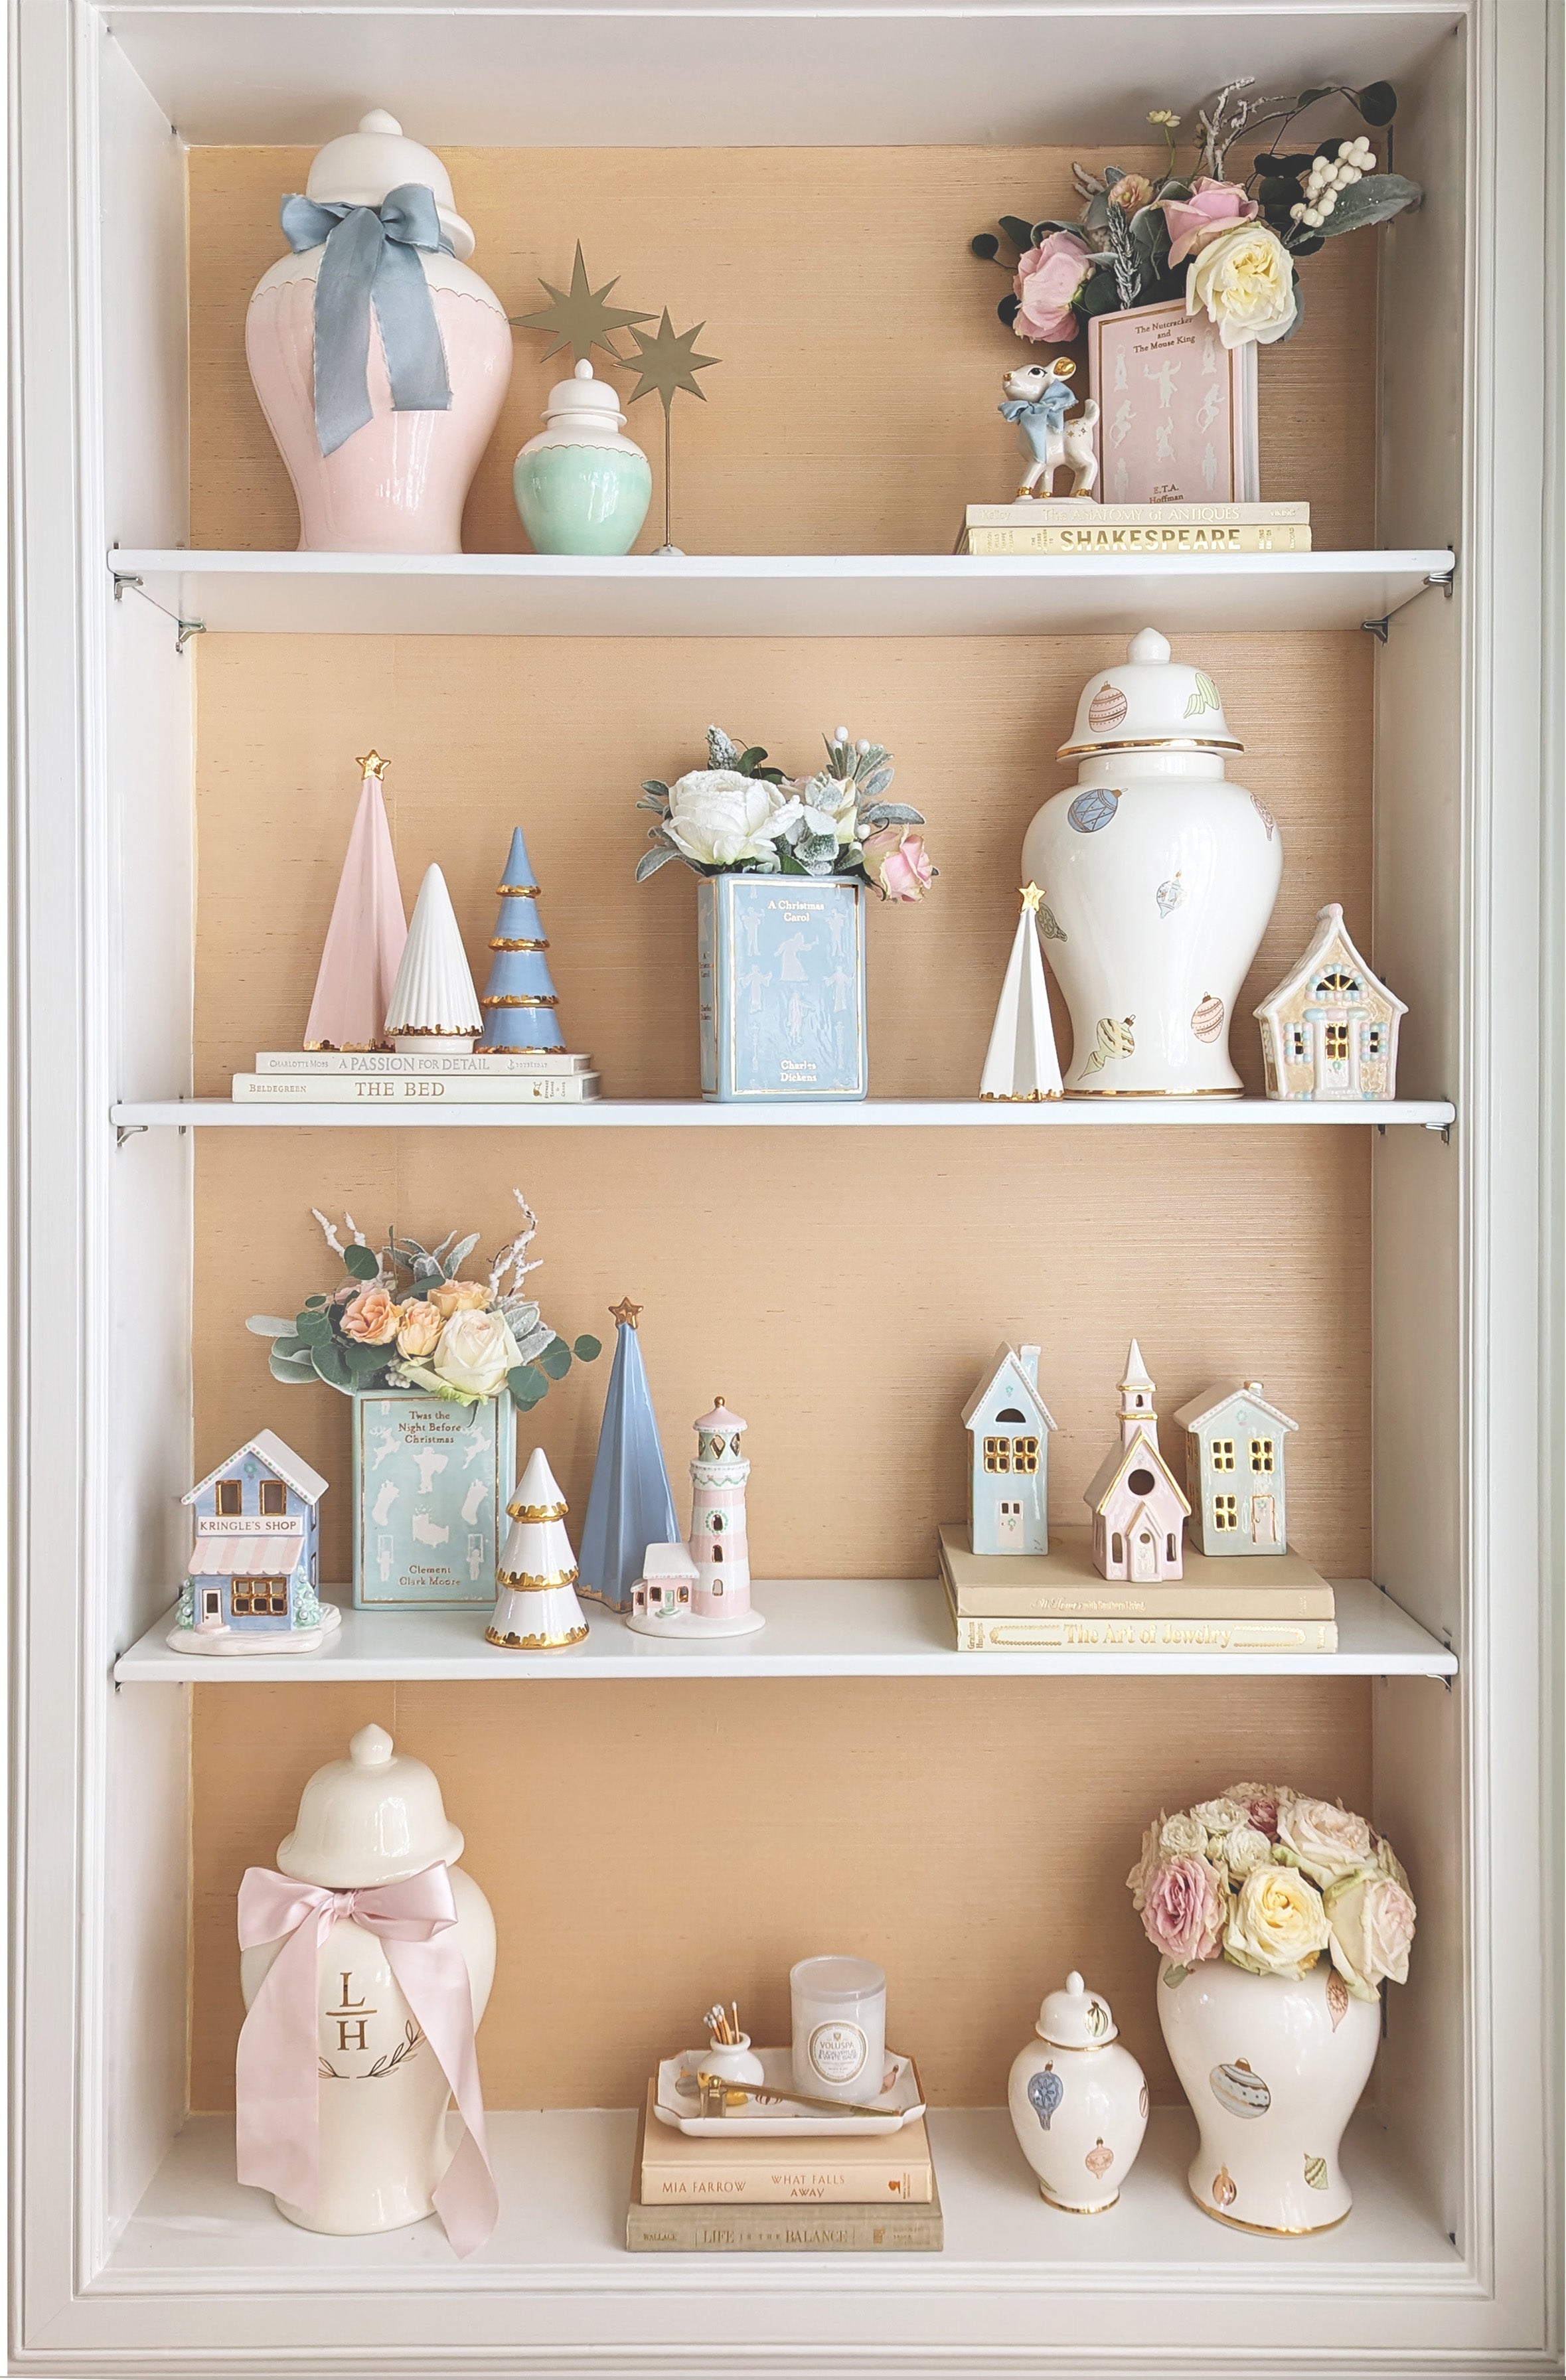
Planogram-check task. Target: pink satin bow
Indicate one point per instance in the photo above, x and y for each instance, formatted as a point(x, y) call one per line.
point(276, 2071)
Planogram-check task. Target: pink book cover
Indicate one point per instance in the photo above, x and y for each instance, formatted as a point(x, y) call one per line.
point(1176, 410)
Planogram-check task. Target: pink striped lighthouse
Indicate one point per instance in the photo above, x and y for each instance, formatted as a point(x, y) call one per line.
point(718, 1543)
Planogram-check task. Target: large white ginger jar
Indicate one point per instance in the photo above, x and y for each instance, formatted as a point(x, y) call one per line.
point(1078, 2101)
point(1273, 2070)
point(375, 1819)
point(1159, 878)
point(398, 484)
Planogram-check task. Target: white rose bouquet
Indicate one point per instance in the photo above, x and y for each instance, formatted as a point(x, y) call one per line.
point(1268, 1879)
point(403, 1317)
point(741, 815)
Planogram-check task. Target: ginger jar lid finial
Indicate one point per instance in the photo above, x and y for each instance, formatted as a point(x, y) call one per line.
point(375, 1817)
point(1076, 2017)
point(359, 168)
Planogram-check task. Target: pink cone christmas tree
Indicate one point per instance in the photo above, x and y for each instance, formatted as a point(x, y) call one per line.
point(369, 930)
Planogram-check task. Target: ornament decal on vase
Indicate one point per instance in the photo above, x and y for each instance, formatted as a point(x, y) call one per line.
point(381, 361)
point(368, 933)
point(1078, 2101)
point(366, 1959)
point(433, 1004)
point(581, 486)
point(536, 1610)
point(1155, 821)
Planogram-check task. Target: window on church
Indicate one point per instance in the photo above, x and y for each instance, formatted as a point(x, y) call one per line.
point(1024, 1454)
point(1261, 1454)
point(1141, 1483)
point(1168, 1546)
point(1224, 1454)
point(1224, 1512)
point(1117, 1548)
point(997, 1454)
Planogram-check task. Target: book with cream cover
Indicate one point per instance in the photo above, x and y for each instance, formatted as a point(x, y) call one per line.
point(1064, 1584)
point(846, 2168)
point(797, 2228)
point(1128, 1636)
point(402, 1090)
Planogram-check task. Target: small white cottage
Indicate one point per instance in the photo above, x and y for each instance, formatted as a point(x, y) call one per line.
point(1330, 1031)
point(1008, 1425)
point(1234, 1447)
point(1138, 1506)
point(667, 1582)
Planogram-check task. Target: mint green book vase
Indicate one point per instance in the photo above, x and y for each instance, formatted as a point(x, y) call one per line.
point(581, 486)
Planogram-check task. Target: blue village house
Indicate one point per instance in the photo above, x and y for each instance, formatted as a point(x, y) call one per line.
point(1008, 1425)
point(256, 1560)
point(1234, 1449)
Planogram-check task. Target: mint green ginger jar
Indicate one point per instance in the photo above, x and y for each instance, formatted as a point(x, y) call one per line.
point(580, 486)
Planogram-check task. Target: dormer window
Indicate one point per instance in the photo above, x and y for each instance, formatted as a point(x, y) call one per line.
point(1339, 987)
point(1011, 1413)
point(230, 1500)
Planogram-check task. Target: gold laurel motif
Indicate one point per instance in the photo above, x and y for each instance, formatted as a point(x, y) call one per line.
point(499, 942)
point(517, 891)
point(522, 1000)
point(539, 1512)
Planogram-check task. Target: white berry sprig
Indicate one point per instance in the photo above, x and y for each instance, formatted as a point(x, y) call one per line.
point(1328, 176)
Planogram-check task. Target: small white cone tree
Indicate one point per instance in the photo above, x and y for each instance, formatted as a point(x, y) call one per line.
point(1021, 1062)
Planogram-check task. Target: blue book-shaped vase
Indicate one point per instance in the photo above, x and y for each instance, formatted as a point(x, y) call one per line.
point(431, 1482)
point(782, 987)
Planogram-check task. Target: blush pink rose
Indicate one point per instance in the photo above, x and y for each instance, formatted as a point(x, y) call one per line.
point(1048, 278)
point(1211, 207)
point(897, 864)
point(371, 1317)
point(1183, 1909)
point(1260, 1802)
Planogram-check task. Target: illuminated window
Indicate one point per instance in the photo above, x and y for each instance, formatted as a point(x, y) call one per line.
point(1024, 1454)
point(230, 1496)
point(1224, 1454)
point(1299, 1038)
point(1117, 1548)
point(997, 1454)
point(1168, 1546)
point(274, 1498)
point(1224, 1515)
point(1373, 1041)
point(1337, 1043)
point(1261, 1454)
point(1338, 986)
point(259, 1598)
point(719, 1520)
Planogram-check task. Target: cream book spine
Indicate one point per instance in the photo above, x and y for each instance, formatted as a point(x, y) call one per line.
point(1133, 1636)
point(403, 1062)
point(1292, 512)
point(1184, 1600)
point(404, 1090)
point(849, 2170)
point(1045, 537)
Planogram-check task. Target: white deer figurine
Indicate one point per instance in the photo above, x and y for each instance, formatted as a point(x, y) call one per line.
point(1038, 400)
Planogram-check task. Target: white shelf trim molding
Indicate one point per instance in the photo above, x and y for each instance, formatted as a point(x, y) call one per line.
point(141, 1115)
point(772, 595)
point(816, 1628)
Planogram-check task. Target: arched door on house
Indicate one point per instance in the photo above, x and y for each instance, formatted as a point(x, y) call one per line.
point(1144, 1550)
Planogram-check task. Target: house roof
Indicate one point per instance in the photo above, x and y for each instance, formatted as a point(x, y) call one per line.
point(277, 1457)
point(1122, 1459)
point(1006, 1360)
point(1212, 1400)
point(241, 1553)
point(1330, 930)
point(1137, 1374)
point(668, 1561)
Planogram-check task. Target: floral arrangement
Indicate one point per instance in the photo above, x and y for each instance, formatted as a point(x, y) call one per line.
point(403, 1317)
point(741, 814)
point(1231, 249)
point(1268, 1879)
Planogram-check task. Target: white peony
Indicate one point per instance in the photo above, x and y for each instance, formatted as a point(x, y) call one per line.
point(720, 819)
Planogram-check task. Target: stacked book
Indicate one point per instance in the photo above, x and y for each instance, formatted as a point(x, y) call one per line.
point(394, 1077)
point(1057, 1602)
point(862, 2192)
point(1077, 525)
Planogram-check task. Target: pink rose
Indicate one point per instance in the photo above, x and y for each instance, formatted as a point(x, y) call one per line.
point(1183, 1909)
point(371, 1317)
point(1260, 1802)
point(1048, 278)
point(897, 864)
point(1212, 207)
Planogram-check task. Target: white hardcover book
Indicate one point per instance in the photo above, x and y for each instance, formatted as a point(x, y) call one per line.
point(408, 1062)
point(389, 1091)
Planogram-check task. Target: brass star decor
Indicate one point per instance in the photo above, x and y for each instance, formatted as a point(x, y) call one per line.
point(1031, 897)
point(668, 363)
point(626, 1312)
point(580, 319)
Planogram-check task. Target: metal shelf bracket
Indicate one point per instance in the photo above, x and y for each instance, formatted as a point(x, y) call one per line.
point(1441, 578)
point(185, 628)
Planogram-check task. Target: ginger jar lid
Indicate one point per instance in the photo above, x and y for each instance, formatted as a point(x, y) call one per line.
point(358, 168)
point(1076, 2017)
point(583, 395)
point(1150, 702)
point(373, 1818)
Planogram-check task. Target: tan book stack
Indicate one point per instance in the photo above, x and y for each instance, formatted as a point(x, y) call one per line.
point(865, 2193)
point(1073, 525)
point(1057, 1602)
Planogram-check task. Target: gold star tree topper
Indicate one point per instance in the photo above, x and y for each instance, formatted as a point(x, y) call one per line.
point(626, 1312)
point(580, 319)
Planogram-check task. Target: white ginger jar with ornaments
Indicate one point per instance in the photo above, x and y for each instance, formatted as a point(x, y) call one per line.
point(1159, 876)
point(1078, 2101)
point(368, 1827)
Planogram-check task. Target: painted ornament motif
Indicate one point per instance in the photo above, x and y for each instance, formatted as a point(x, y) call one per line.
point(1106, 709)
point(1112, 1040)
point(1316, 2173)
point(1268, 822)
point(1171, 893)
point(1203, 697)
point(1092, 811)
point(1207, 1018)
point(1045, 2093)
point(1337, 1997)
point(1239, 2091)
point(1099, 2160)
point(1222, 2187)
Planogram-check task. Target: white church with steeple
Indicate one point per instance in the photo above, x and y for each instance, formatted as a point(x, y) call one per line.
point(1137, 1504)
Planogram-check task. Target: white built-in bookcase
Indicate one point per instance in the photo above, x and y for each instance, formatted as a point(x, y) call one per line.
point(133, 2248)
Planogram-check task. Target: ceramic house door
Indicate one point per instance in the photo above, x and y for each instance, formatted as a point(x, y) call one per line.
point(1144, 1563)
point(1264, 1520)
point(1337, 1068)
point(1008, 1525)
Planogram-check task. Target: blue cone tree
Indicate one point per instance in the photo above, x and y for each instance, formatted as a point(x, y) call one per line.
point(630, 1506)
point(520, 1004)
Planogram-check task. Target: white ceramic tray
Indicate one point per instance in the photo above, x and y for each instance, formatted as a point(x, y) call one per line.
point(778, 2117)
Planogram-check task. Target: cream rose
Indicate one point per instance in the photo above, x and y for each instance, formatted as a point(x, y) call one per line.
point(1276, 1924)
point(420, 1331)
point(1182, 1837)
point(1221, 1816)
point(1328, 1841)
point(475, 1352)
point(1244, 1847)
point(1245, 281)
point(458, 1297)
point(1371, 1919)
point(721, 818)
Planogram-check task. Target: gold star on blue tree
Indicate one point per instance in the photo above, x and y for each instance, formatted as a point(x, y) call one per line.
point(579, 318)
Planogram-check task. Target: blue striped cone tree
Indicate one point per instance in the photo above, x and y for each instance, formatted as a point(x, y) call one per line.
point(520, 1004)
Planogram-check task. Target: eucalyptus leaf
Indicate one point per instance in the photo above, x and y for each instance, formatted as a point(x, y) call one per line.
point(890, 814)
point(268, 1326)
point(1371, 201)
point(365, 1363)
point(360, 1262)
point(312, 1326)
point(530, 1345)
point(985, 245)
point(317, 1301)
point(292, 1373)
point(331, 1366)
point(587, 1349)
point(555, 1359)
point(528, 1386)
point(1097, 295)
point(1277, 190)
point(1378, 103)
point(651, 861)
point(1308, 98)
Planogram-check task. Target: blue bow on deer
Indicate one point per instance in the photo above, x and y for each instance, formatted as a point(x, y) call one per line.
point(369, 259)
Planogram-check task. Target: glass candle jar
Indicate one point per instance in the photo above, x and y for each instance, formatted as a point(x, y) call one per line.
point(839, 2028)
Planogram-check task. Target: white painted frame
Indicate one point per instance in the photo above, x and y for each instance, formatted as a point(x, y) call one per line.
point(1469, 1281)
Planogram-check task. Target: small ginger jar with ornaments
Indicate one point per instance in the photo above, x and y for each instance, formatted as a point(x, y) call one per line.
point(1078, 2101)
point(1158, 876)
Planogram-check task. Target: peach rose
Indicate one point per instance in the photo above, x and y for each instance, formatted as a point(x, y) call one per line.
point(1048, 278)
point(459, 1297)
point(420, 1331)
point(897, 864)
point(371, 1317)
point(1211, 207)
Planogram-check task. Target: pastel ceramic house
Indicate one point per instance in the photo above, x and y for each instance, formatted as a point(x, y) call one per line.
point(1330, 1031)
point(255, 1566)
point(1008, 1425)
point(667, 1584)
point(1137, 1504)
point(702, 1588)
point(1234, 1467)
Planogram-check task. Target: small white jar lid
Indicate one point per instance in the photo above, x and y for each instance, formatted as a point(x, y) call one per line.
point(358, 168)
point(832, 1978)
point(1076, 2017)
point(568, 400)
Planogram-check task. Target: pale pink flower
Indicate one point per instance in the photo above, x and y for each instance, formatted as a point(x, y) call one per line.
point(1048, 278)
point(1183, 1909)
point(1260, 1802)
point(897, 864)
point(371, 1318)
point(1212, 207)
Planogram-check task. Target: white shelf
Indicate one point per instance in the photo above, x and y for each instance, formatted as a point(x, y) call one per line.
point(774, 595)
point(816, 1628)
point(132, 1115)
point(564, 2178)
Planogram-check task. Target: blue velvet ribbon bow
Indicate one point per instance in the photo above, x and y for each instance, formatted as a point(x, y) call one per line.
point(1051, 407)
point(369, 259)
